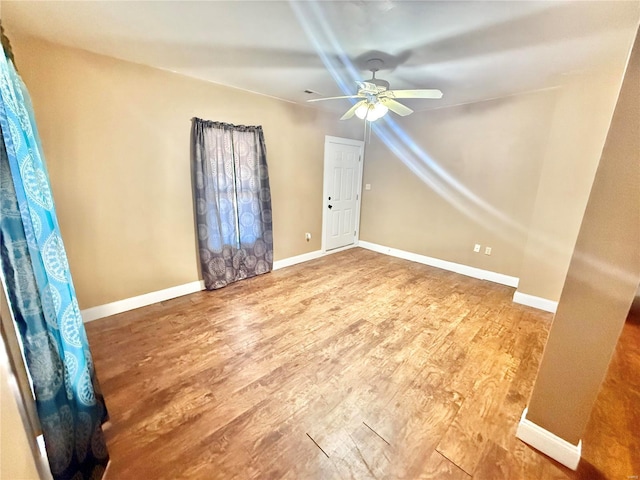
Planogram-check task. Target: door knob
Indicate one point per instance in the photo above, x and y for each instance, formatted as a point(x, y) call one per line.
point(330, 207)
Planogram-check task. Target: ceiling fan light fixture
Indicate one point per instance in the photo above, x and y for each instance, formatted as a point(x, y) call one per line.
point(371, 111)
point(362, 111)
point(375, 98)
point(377, 111)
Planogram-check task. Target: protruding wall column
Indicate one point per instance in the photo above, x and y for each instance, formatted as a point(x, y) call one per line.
point(601, 283)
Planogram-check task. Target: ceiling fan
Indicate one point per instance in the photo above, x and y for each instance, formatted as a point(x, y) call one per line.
point(377, 99)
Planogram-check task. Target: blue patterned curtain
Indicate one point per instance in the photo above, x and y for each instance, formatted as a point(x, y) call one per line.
point(233, 202)
point(42, 298)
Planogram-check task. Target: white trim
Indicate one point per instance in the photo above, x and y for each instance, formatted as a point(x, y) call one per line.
point(343, 141)
point(356, 243)
point(43, 460)
point(444, 264)
point(140, 301)
point(535, 302)
point(168, 293)
point(548, 443)
point(305, 257)
point(132, 303)
point(325, 202)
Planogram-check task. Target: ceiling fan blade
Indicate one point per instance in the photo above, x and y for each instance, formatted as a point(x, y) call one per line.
point(332, 98)
point(352, 111)
point(423, 93)
point(396, 107)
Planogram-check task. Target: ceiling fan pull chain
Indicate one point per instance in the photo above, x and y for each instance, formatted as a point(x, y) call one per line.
point(364, 136)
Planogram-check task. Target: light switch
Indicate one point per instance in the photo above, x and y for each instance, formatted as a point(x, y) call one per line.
point(367, 186)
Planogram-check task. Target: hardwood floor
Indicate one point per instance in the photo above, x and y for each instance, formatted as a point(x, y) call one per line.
point(611, 444)
point(355, 365)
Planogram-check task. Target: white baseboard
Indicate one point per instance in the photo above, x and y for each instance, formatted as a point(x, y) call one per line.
point(305, 257)
point(140, 301)
point(548, 443)
point(168, 293)
point(535, 302)
point(444, 264)
point(132, 303)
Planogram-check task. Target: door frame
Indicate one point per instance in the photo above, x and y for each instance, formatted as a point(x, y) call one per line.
point(11, 361)
point(325, 202)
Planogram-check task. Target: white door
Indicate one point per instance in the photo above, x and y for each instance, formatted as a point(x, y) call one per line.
point(342, 183)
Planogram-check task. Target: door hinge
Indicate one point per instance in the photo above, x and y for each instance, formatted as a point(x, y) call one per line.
point(354, 233)
point(357, 197)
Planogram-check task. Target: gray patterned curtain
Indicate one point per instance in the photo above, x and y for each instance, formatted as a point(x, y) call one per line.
point(232, 201)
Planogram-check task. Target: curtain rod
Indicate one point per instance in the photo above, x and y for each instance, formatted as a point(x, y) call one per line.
point(232, 125)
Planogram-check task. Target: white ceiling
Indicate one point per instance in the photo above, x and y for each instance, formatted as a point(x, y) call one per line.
point(470, 50)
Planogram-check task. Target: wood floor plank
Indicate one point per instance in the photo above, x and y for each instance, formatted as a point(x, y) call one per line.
point(354, 365)
point(473, 425)
point(437, 467)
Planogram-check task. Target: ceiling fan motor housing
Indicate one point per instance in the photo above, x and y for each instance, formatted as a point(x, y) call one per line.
point(379, 83)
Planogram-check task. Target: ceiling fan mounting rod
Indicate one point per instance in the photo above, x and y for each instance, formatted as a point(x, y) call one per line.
point(374, 65)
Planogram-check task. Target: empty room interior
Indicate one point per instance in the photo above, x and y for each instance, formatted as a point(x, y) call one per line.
point(320, 240)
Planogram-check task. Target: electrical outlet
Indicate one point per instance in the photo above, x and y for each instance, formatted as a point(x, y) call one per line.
point(487, 250)
point(367, 186)
point(476, 248)
point(307, 236)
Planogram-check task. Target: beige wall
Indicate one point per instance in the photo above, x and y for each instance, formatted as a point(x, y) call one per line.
point(529, 160)
point(116, 136)
point(602, 279)
point(16, 457)
point(578, 129)
point(494, 150)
